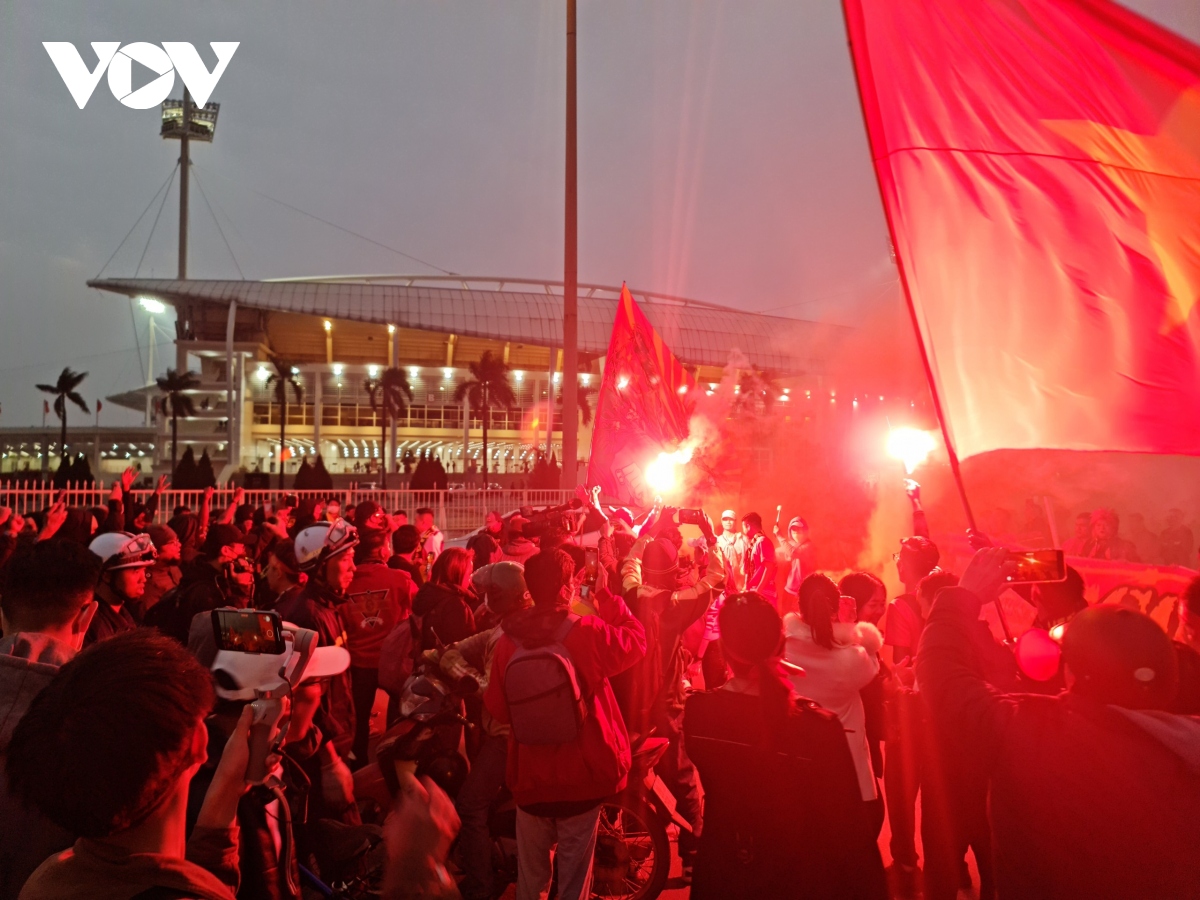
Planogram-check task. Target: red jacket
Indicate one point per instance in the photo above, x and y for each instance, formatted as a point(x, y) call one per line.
point(596, 765)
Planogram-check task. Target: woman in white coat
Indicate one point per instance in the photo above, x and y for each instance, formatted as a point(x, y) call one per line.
point(840, 657)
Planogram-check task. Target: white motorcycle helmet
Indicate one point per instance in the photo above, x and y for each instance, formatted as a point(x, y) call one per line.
point(320, 542)
point(122, 550)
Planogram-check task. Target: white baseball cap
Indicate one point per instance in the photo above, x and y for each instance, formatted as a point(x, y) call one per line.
point(728, 514)
point(239, 675)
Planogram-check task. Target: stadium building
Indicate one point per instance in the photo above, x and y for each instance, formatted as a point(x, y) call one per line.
point(334, 334)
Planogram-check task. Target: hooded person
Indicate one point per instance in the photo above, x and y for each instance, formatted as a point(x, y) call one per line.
point(309, 783)
point(124, 560)
point(504, 592)
point(1095, 792)
point(380, 599)
point(222, 576)
point(657, 591)
point(79, 527)
point(324, 552)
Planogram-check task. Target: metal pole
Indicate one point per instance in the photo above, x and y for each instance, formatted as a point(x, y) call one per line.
point(570, 413)
point(184, 163)
point(150, 374)
point(393, 463)
point(550, 399)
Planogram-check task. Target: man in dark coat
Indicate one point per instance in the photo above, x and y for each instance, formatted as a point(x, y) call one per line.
point(1095, 792)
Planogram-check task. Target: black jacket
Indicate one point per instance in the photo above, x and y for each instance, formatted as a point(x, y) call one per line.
point(316, 608)
point(446, 615)
point(199, 591)
point(1086, 800)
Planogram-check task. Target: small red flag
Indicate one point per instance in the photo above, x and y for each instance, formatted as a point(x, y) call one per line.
point(45, 407)
point(1039, 162)
point(99, 406)
point(642, 408)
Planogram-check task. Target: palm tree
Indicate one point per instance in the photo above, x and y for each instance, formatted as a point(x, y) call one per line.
point(390, 395)
point(285, 373)
point(584, 399)
point(488, 387)
point(177, 402)
point(63, 390)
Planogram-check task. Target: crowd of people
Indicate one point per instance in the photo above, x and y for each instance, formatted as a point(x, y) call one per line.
point(798, 711)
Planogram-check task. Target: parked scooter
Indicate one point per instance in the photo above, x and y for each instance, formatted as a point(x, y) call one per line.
point(633, 852)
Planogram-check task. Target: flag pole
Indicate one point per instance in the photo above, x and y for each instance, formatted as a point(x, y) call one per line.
point(908, 300)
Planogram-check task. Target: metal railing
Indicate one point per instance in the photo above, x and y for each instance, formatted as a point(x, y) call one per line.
point(456, 512)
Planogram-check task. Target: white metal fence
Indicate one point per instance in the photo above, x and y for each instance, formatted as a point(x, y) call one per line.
point(456, 512)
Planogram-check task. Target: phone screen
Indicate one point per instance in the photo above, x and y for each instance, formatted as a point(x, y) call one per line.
point(1038, 565)
point(248, 630)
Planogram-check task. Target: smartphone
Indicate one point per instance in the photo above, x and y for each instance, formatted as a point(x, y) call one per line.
point(1037, 565)
point(248, 630)
point(592, 563)
point(691, 517)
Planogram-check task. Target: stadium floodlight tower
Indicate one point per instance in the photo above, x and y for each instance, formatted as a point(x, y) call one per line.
point(183, 121)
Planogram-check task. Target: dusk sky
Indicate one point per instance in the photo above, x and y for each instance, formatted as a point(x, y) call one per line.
point(721, 156)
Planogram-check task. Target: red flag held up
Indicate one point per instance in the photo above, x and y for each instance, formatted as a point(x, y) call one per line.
point(1039, 162)
point(642, 408)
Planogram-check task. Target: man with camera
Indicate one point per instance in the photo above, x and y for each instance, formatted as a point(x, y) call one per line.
point(306, 781)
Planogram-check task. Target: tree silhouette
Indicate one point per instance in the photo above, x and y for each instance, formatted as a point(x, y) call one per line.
point(285, 373)
point(66, 388)
point(756, 394)
point(177, 402)
point(584, 399)
point(390, 395)
point(487, 388)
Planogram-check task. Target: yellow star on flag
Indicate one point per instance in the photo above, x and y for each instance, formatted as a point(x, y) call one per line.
point(1160, 174)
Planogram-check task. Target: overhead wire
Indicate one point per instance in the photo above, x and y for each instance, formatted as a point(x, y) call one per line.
point(349, 231)
point(153, 227)
point(164, 186)
point(220, 230)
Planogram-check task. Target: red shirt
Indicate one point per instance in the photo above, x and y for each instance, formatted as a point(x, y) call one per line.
point(379, 597)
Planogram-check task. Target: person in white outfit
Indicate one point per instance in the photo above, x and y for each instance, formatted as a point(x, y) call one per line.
point(839, 657)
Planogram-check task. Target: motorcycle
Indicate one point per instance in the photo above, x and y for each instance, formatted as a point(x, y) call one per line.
point(633, 852)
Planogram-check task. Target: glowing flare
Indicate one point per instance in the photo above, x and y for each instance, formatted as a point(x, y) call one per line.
point(661, 474)
point(911, 446)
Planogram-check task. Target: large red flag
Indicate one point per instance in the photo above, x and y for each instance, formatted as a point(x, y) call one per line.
point(1039, 162)
point(642, 408)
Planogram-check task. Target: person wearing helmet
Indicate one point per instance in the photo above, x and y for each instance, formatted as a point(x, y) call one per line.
point(124, 558)
point(324, 551)
point(380, 599)
point(502, 586)
point(222, 576)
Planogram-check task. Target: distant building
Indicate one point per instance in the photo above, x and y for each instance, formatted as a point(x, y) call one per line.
point(338, 332)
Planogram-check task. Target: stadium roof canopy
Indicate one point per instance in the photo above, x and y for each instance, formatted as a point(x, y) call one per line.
point(698, 333)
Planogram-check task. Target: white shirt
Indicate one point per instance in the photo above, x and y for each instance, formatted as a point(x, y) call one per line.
point(834, 678)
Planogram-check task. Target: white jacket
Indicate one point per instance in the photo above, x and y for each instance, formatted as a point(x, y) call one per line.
point(834, 678)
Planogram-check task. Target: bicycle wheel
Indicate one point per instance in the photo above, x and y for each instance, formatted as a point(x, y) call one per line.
point(633, 854)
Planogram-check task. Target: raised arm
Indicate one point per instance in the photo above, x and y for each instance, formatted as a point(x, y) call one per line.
point(948, 669)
